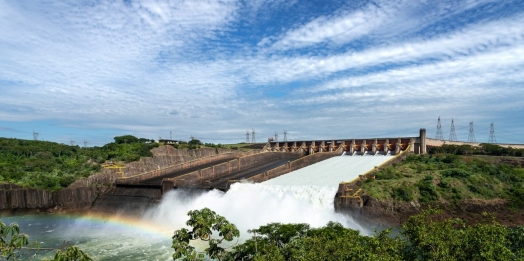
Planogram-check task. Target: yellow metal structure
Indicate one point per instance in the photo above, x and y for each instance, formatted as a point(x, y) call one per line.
point(111, 165)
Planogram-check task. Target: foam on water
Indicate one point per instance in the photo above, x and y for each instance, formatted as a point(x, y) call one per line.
point(302, 196)
point(331, 172)
point(251, 205)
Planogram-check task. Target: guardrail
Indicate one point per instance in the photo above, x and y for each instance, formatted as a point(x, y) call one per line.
point(180, 166)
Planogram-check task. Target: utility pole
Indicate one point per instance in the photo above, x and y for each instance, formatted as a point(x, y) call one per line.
point(439, 135)
point(253, 140)
point(471, 136)
point(35, 135)
point(170, 135)
point(452, 134)
point(285, 136)
point(492, 138)
point(247, 137)
point(276, 136)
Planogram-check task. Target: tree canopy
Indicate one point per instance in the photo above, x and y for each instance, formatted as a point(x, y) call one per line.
point(422, 237)
point(51, 166)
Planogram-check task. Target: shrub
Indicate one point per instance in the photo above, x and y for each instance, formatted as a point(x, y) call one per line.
point(455, 173)
point(426, 189)
point(403, 193)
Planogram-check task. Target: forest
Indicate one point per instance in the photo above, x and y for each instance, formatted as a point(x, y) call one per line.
point(52, 166)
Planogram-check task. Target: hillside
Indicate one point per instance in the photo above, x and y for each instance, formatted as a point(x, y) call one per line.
point(51, 166)
point(460, 183)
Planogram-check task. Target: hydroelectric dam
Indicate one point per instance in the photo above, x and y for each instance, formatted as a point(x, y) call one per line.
point(338, 163)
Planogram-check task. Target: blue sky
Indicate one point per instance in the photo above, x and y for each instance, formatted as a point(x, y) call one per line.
point(92, 70)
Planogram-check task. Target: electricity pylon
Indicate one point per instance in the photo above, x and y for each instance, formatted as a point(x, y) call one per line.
point(452, 134)
point(439, 135)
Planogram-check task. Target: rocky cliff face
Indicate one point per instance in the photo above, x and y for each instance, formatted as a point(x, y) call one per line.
point(81, 194)
point(395, 213)
point(15, 197)
point(163, 156)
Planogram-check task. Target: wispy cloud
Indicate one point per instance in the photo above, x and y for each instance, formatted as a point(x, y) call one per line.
point(213, 68)
point(376, 21)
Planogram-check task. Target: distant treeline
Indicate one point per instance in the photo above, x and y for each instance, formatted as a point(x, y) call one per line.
point(51, 165)
point(483, 149)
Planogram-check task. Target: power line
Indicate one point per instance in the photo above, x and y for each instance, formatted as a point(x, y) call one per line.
point(439, 135)
point(253, 140)
point(85, 144)
point(452, 134)
point(72, 142)
point(276, 136)
point(492, 138)
point(471, 136)
point(35, 135)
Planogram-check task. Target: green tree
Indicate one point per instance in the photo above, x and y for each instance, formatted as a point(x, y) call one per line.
point(11, 240)
point(71, 253)
point(203, 223)
point(126, 139)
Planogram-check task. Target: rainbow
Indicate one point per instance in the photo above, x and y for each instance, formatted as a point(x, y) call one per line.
point(122, 221)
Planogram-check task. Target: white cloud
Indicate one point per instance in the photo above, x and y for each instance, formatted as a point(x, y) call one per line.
point(154, 66)
point(382, 19)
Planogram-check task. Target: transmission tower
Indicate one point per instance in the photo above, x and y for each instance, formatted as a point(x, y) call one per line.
point(471, 136)
point(439, 135)
point(452, 134)
point(276, 137)
point(285, 136)
point(253, 140)
point(72, 142)
point(247, 136)
point(492, 138)
point(85, 144)
point(35, 135)
point(170, 135)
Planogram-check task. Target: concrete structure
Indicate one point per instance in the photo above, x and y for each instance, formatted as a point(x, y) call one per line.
point(351, 146)
point(393, 145)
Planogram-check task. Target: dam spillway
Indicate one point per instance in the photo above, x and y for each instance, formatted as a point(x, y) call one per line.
point(331, 172)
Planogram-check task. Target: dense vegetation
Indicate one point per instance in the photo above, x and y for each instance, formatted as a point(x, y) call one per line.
point(51, 166)
point(421, 238)
point(451, 177)
point(483, 149)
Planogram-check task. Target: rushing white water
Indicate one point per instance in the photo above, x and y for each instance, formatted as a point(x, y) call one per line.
point(251, 205)
point(302, 196)
point(331, 172)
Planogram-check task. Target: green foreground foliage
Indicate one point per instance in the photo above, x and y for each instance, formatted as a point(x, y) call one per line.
point(51, 166)
point(449, 177)
point(421, 238)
